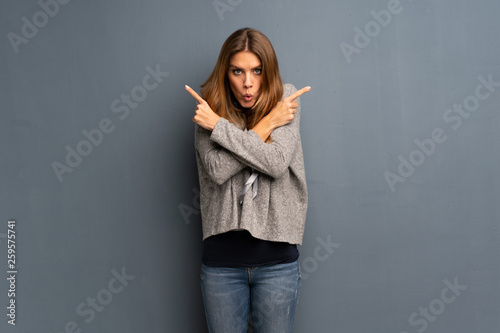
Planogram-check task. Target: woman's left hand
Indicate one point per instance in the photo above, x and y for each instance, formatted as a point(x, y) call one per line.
point(204, 115)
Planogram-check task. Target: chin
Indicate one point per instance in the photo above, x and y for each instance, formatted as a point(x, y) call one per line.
point(247, 105)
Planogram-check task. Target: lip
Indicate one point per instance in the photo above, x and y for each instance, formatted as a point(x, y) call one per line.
point(248, 97)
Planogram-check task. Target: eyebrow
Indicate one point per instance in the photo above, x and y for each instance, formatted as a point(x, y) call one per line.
point(236, 67)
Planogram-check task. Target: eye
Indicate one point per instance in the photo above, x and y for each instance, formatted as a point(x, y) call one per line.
point(258, 71)
point(236, 71)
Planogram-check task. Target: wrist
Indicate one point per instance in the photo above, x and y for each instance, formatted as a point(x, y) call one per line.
point(267, 123)
point(264, 128)
point(216, 120)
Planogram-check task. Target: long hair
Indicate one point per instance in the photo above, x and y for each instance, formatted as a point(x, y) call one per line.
point(217, 91)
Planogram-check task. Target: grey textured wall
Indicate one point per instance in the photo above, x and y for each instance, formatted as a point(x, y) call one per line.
point(400, 136)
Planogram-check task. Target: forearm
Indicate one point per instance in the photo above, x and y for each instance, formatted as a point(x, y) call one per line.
point(264, 128)
point(219, 163)
point(248, 147)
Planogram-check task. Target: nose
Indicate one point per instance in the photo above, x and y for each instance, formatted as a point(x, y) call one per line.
point(248, 81)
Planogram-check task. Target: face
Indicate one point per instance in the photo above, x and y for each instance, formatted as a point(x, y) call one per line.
point(245, 77)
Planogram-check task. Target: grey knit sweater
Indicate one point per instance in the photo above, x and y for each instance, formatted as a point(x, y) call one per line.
point(226, 158)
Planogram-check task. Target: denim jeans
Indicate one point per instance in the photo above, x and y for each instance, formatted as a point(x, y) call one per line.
point(269, 293)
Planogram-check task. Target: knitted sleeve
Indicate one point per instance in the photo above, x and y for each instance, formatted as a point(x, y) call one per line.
point(272, 159)
point(219, 163)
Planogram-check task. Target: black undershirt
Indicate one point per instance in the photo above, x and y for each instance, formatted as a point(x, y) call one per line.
point(241, 249)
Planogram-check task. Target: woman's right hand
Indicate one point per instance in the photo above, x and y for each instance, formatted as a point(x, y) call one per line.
point(284, 112)
point(204, 115)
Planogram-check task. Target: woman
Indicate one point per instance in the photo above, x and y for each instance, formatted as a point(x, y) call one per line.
point(253, 188)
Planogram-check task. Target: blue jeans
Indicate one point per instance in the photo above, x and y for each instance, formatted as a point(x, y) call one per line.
point(269, 293)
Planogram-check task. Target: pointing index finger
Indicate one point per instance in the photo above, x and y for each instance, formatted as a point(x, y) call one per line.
point(194, 94)
point(298, 93)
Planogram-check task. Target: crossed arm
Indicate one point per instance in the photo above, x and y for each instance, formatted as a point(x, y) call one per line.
point(225, 149)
